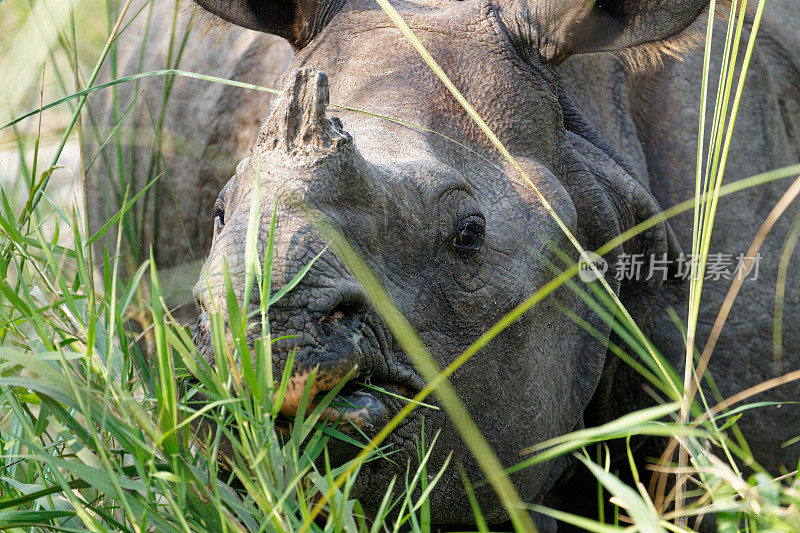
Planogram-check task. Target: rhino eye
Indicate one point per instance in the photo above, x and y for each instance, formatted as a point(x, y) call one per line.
point(218, 216)
point(469, 235)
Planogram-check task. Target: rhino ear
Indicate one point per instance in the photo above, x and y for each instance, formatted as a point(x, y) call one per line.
point(297, 21)
point(567, 27)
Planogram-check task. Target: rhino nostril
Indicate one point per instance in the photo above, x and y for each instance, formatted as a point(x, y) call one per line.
point(350, 304)
point(345, 299)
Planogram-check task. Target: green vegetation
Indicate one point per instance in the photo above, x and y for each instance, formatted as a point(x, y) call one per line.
point(109, 421)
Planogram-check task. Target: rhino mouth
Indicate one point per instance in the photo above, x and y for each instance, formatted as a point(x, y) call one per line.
point(355, 408)
point(350, 350)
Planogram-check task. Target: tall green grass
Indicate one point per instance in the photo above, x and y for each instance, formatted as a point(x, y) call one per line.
point(109, 421)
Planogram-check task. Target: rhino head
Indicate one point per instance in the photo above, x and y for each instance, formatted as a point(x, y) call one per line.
point(446, 224)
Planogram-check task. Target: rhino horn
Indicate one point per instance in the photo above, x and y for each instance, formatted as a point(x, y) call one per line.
point(299, 126)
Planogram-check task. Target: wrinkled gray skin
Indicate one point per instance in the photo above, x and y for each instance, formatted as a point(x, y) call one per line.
point(606, 146)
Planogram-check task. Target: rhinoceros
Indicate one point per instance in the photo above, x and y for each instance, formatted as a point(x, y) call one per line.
point(458, 239)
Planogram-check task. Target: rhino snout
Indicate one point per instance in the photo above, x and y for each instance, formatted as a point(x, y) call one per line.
point(340, 352)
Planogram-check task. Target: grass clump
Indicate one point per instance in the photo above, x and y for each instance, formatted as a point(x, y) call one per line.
point(106, 425)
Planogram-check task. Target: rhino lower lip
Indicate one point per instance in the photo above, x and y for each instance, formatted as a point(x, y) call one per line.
point(354, 406)
point(358, 406)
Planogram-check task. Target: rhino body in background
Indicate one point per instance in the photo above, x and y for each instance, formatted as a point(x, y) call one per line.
point(206, 128)
point(458, 240)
